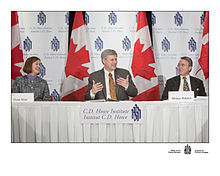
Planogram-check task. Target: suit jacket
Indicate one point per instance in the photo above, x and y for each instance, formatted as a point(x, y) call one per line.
point(173, 84)
point(38, 86)
point(121, 93)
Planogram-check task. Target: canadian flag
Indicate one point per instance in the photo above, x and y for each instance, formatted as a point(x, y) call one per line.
point(203, 71)
point(143, 63)
point(75, 82)
point(17, 60)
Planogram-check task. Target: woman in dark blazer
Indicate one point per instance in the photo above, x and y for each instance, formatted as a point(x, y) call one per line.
point(31, 83)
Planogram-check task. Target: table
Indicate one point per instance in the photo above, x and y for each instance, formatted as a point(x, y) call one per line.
point(163, 121)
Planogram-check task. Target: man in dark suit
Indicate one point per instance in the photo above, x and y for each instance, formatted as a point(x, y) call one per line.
point(184, 82)
point(110, 83)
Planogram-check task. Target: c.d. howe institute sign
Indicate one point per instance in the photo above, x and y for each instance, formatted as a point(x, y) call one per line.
point(114, 112)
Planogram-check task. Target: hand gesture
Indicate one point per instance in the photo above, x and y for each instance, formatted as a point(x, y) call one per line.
point(96, 87)
point(123, 82)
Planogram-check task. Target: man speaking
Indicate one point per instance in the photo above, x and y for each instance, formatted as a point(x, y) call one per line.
point(184, 82)
point(110, 83)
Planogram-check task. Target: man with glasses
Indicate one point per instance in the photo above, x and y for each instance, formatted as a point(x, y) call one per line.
point(184, 82)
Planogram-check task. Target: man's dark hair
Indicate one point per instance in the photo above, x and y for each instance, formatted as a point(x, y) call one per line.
point(188, 59)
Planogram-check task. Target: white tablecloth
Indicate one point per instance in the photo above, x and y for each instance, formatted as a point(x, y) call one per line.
point(59, 122)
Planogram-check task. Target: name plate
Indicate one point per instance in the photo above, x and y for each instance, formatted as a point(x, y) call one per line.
point(22, 97)
point(181, 96)
point(117, 112)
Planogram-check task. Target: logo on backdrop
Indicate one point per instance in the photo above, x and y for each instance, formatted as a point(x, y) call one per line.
point(126, 44)
point(41, 18)
point(27, 44)
point(177, 73)
point(86, 18)
point(55, 44)
point(112, 18)
point(42, 70)
point(202, 19)
point(98, 44)
point(136, 113)
point(67, 16)
point(178, 19)
point(136, 17)
point(55, 95)
point(187, 149)
point(165, 44)
point(153, 19)
point(192, 45)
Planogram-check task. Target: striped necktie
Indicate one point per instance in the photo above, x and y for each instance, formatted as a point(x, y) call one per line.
point(185, 84)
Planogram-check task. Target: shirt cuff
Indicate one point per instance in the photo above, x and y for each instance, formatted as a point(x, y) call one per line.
point(126, 88)
point(92, 95)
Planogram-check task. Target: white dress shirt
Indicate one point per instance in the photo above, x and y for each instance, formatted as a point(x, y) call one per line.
point(106, 74)
point(182, 81)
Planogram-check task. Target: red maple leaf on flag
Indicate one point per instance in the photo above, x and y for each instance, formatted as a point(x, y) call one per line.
point(141, 60)
point(204, 57)
point(17, 57)
point(204, 60)
point(75, 60)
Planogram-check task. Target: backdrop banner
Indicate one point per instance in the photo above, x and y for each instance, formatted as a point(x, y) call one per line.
point(45, 35)
point(175, 34)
